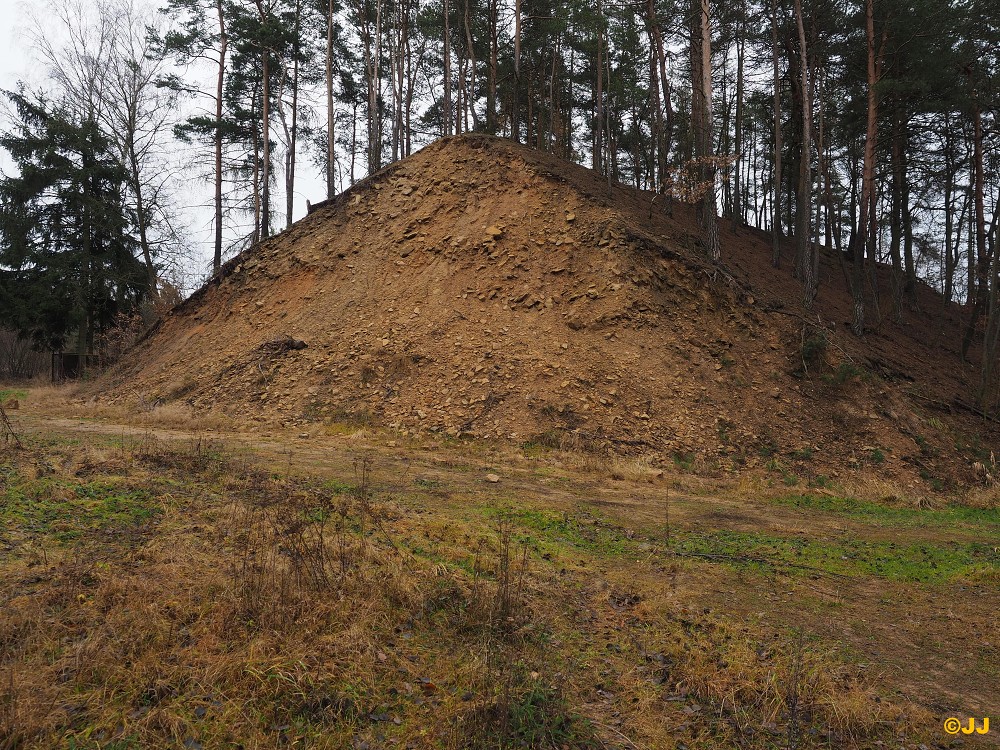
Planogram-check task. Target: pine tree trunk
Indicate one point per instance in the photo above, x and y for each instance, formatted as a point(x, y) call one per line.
point(949, 218)
point(447, 69)
point(778, 145)
point(294, 134)
point(515, 114)
point(331, 143)
point(471, 55)
point(803, 229)
point(896, 221)
point(982, 258)
point(598, 161)
point(265, 190)
point(219, 90)
point(660, 92)
point(255, 142)
point(710, 219)
point(737, 215)
point(864, 236)
point(374, 91)
point(491, 85)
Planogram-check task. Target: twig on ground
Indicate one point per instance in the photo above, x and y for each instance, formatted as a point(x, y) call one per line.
point(9, 434)
point(759, 561)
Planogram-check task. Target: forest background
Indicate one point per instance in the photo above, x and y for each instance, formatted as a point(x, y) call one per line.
point(148, 143)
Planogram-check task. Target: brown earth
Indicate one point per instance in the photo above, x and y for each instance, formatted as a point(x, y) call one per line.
point(483, 289)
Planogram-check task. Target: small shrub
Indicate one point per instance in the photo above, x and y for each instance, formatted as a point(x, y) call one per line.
point(844, 373)
point(684, 461)
point(526, 714)
point(551, 439)
point(767, 448)
point(814, 348)
point(723, 427)
point(821, 481)
point(937, 485)
point(18, 361)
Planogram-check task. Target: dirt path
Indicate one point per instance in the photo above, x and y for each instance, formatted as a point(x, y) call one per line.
point(636, 504)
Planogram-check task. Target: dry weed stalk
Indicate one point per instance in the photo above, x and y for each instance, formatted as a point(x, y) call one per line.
point(501, 610)
point(293, 541)
point(10, 735)
point(9, 435)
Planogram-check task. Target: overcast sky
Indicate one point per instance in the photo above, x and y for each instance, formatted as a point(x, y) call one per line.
point(10, 60)
point(13, 57)
point(17, 63)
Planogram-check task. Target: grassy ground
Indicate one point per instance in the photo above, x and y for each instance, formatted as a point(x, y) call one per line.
point(163, 589)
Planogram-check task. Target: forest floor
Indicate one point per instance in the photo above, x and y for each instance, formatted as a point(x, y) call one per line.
point(164, 584)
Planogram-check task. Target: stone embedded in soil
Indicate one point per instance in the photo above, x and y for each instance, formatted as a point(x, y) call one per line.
point(506, 273)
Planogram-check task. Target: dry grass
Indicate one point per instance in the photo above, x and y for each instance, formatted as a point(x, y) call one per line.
point(175, 415)
point(47, 396)
point(874, 489)
point(138, 411)
point(256, 609)
point(982, 497)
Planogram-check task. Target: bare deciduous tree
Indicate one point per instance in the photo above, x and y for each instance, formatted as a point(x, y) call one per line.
point(101, 59)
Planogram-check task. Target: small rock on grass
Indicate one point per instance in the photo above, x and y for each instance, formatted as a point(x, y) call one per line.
point(493, 478)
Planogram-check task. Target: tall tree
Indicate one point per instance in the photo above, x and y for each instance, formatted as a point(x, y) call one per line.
point(68, 250)
point(807, 257)
point(863, 241)
point(200, 31)
point(701, 120)
point(104, 65)
point(776, 201)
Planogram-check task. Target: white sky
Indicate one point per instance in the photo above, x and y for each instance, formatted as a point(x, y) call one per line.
point(11, 62)
point(17, 63)
point(14, 59)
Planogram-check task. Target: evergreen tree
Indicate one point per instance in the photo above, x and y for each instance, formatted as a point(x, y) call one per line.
point(68, 251)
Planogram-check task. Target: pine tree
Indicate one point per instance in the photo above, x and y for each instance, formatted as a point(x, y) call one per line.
point(69, 250)
point(201, 30)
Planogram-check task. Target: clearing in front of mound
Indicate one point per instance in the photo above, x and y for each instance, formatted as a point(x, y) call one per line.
point(182, 592)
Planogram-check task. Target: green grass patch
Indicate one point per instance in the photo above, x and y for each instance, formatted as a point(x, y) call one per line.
point(8, 393)
point(66, 510)
point(917, 562)
point(428, 484)
point(683, 461)
point(885, 515)
point(541, 717)
point(337, 487)
point(582, 533)
point(850, 557)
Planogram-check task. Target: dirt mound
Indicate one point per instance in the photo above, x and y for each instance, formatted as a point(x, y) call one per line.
point(480, 288)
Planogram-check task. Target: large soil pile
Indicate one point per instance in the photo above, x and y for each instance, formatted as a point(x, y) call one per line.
point(480, 288)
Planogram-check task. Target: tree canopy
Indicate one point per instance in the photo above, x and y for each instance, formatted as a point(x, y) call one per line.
point(68, 251)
